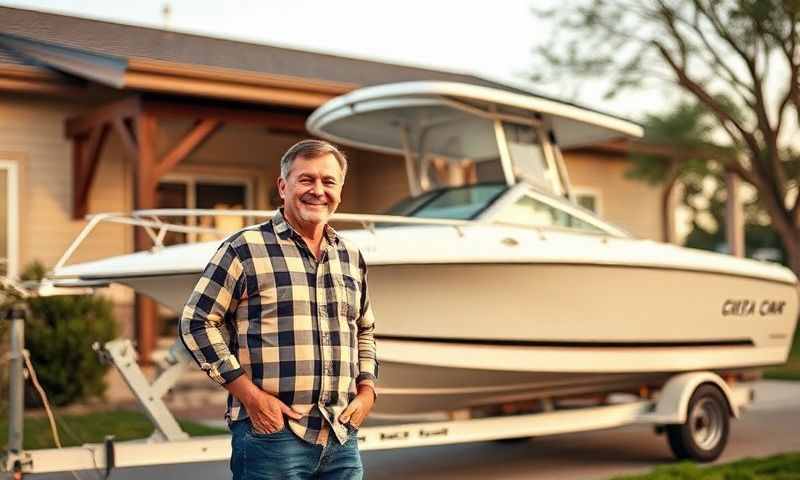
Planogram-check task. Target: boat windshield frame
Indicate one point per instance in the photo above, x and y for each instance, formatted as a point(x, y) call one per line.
point(433, 195)
point(562, 204)
point(507, 196)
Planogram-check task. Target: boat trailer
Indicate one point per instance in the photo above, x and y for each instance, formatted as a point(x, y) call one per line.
point(673, 409)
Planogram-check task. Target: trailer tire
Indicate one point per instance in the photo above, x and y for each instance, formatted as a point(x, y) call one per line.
point(704, 434)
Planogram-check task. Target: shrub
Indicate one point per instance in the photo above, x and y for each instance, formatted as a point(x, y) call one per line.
point(59, 335)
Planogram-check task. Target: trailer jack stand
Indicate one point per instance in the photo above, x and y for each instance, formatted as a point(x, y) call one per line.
point(122, 354)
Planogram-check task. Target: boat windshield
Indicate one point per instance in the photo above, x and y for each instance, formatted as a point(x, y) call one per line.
point(456, 203)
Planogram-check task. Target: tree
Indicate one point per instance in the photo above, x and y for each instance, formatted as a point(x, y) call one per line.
point(704, 192)
point(737, 61)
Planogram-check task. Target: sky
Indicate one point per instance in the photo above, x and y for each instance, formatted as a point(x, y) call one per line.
point(493, 39)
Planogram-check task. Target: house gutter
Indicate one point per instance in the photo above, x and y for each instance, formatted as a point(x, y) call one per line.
point(158, 76)
point(30, 79)
point(230, 84)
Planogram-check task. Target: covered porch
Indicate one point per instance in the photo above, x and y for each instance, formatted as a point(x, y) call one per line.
point(166, 152)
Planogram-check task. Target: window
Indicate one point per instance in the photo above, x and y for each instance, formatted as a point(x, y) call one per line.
point(532, 212)
point(588, 198)
point(204, 193)
point(188, 191)
point(9, 219)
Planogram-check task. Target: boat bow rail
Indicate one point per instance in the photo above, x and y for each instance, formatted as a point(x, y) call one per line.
point(158, 222)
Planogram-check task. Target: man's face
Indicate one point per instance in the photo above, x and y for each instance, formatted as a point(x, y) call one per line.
point(312, 190)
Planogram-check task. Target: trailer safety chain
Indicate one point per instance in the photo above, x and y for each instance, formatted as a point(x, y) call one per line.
point(35, 380)
point(109, 446)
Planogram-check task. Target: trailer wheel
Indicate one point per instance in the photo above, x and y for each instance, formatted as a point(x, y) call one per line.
point(704, 434)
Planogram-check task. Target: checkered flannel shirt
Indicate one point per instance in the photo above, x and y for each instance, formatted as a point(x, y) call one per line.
point(302, 329)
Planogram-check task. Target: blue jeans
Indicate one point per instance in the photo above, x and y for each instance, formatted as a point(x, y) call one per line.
point(283, 455)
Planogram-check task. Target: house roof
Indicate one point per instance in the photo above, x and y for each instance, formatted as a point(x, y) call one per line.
point(57, 49)
point(22, 30)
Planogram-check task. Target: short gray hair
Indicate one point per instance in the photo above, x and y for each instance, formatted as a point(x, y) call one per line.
point(311, 148)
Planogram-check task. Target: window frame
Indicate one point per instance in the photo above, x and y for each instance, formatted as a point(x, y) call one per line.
point(12, 217)
point(190, 180)
point(590, 192)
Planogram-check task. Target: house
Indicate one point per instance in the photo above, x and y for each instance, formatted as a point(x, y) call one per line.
point(98, 116)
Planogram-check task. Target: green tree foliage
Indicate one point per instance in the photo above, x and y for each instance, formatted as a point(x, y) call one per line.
point(691, 127)
point(737, 63)
point(688, 126)
point(59, 335)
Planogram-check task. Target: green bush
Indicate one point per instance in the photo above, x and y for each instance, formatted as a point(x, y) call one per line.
point(59, 335)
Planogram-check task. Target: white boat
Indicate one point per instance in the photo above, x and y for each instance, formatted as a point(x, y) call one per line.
point(489, 284)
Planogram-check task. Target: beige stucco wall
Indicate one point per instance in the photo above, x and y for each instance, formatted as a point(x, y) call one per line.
point(632, 204)
point(32, 129)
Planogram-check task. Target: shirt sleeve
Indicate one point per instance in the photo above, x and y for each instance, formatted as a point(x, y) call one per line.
point(367, 355)
point(202, 325)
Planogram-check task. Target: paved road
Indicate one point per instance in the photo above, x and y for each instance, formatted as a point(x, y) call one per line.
point(769, 427)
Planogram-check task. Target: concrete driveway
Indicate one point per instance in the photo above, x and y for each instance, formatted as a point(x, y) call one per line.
point(770, 426)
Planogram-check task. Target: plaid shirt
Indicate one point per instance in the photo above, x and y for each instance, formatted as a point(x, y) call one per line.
point(301, 328)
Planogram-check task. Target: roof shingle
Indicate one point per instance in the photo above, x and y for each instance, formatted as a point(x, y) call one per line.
point(129, 41)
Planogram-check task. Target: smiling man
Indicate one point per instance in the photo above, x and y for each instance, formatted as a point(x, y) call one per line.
point(281, 318)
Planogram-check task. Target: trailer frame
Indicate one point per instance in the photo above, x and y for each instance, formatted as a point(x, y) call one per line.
point(668, 406)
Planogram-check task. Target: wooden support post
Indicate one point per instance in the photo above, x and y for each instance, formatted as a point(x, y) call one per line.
point(668, 214)
point(668, 201)
point(147, 172)
point(144, 198)
point(734, 216)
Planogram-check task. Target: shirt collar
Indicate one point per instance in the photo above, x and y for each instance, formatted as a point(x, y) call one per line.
point(284, 230)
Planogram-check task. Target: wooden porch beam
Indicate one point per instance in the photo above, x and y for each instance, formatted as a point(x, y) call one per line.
point(199, 133)
point(290, 122)
point(83, 124)
point(89, 132)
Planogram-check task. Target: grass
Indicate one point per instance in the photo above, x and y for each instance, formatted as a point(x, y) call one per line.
point(778, 467)
point(76, 430)
point(790, 370)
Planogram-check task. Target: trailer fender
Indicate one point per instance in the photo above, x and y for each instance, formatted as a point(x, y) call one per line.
point(673, 400)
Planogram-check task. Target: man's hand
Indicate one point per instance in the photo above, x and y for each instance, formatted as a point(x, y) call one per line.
point(359, 408)
point(266, 411)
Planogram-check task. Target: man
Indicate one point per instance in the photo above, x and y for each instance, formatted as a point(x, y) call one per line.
point(281, 318)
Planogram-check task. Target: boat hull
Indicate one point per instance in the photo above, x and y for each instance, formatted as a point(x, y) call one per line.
point(574, 304)
point(458, 336)
point(584, 306)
